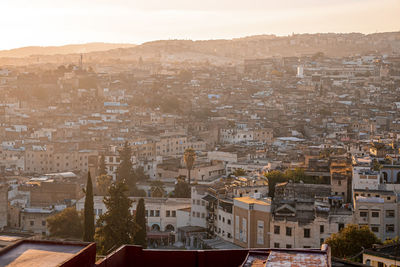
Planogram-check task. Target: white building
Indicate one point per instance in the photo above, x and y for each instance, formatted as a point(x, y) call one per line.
point(365, 178)
point(161, 213)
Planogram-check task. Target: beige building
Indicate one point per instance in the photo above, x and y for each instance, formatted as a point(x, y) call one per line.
point(3, 205)
point(378, 210)
point(47, 159)
point(251, 222)
point(34, 220)
point(385, 256)
point(289, 230)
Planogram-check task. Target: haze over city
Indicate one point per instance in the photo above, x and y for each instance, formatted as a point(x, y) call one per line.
point(180, 133)
point(46, 22)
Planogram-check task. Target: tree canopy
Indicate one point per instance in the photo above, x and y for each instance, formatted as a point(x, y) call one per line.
point(182, 189)
point(103, 183)
point(66, 224)
point(117, 225)
point(125, 169)
point(351, 240)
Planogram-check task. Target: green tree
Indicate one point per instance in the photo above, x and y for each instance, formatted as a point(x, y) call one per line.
point(274, 177)
point(102, 166)
point(117, 225)
point(140, 219)
point(66, 224)
point(297, 175)
point(182, 189)
point(103, 183)
point(124, 170)
point(239, 172)
point(393, 241)
point(157, 189)
point(88, 219)
point(351, 240)
point(189, 157)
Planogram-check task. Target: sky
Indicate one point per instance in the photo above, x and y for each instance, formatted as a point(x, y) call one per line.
point(56, 22)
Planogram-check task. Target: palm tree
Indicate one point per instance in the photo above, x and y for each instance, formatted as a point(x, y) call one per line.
point(189, 157)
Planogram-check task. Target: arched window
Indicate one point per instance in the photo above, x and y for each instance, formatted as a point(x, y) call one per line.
point(155, 227)
point(170, 228)
point(385, 177)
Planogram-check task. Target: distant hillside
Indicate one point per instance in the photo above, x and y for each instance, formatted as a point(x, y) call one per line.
point(218, 52)
point(61, 50)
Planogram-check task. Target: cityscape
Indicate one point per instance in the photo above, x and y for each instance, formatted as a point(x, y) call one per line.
point(261, 150)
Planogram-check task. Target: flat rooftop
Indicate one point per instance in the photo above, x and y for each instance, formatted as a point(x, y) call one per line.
point(39, 253)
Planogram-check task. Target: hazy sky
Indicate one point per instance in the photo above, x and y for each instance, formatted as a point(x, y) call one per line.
point(57, 22)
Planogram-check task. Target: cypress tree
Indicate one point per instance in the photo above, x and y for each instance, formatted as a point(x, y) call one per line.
point(88, 219)
point(140, 219)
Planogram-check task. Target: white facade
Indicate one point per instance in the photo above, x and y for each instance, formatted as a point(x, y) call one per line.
point(224, 224)
point(198, 212)
point(365, 178)
point(161, 213)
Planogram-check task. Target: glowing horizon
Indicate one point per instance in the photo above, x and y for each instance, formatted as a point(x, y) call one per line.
point(47, 23)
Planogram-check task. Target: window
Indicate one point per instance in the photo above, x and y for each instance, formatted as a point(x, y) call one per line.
point(260, 232)
point(198, 214)
point(307, 233)
point(229, 221)
point(277, 229)
point(321, 229)
point(389, 228)
point(194, 201)
point(244, 230)
point(375, 214)
point(152, 213)
point(390, 214)
point(229, 235)
point(276, 245)
point(237, 227)
point(288, 246)
point(219, 217)
point(174, 213)
point(202, 215)
point(340, 226)
point(380, 264)
point(363, 214)
point(32, 223)
point(375, 229)
point(157, 213)
point(44, 223)
point(289, 231)
point(168, 213)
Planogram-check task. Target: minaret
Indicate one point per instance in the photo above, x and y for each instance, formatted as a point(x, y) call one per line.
point(81, 62)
